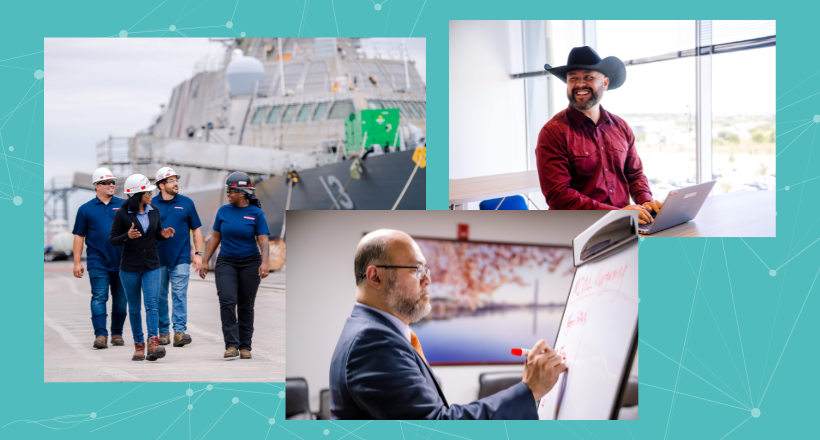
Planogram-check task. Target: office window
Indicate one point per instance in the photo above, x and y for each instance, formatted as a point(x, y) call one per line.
point(662, 118)
point(320, 111)
point(743, 121)
point(374, 104)
point(273, 117)
point(340, 110)
point(289, 113)
point(259, 115)
point(304, 113)
point(394, 104)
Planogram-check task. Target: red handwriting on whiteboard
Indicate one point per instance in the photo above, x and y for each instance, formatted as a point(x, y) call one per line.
point(579, 319)
point(599, 280)
point(562, 353)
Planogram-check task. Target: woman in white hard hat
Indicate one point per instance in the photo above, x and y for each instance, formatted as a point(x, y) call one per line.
point(137, 227)
point(242, 229)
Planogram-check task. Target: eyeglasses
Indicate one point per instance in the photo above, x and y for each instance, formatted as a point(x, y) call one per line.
point(421, 270)
point(106, 183)
point(170, 181)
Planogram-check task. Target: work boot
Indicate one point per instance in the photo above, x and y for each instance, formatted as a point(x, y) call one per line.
point(155, 350)
point(117, 340)
point(181, 339)
point(231, 352)
point(244, 354)
point(164, 339)
point(101, 342)
point(139, 352)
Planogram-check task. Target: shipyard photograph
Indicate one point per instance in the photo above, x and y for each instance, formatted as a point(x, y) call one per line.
point(169, 167)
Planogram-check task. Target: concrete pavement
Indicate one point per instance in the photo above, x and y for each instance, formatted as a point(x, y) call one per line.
point(70, 357)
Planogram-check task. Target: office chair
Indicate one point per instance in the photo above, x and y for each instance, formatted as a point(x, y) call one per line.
point(297, 406)
point(491, 383)
point(510, 203)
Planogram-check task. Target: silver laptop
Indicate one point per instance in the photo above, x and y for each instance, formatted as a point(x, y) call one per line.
point(681, 206)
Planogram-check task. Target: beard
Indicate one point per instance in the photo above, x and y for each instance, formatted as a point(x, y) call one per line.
point(594, 98)
point(404, 303)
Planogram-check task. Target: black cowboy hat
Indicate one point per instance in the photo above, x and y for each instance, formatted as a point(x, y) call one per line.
point(585, 58)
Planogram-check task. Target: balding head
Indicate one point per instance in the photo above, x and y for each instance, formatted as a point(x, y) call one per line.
point(397, 289)
point(377, 248)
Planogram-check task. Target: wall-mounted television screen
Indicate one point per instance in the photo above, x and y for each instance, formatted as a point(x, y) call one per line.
point(488, 298)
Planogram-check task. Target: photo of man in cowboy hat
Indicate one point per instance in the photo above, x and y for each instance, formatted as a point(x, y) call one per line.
point(586, 155)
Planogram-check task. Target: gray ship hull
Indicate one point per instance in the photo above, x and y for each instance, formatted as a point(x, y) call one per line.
point(378, 188)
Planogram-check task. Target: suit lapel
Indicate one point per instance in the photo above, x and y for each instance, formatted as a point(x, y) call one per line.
point(358, 310)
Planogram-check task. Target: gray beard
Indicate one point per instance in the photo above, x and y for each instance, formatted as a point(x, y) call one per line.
point(402, 304)
point(593, 101)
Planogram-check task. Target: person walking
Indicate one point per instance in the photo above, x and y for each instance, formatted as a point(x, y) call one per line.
point(137, 227)
point(240, 226)
point(179, 213)
point(91, 227)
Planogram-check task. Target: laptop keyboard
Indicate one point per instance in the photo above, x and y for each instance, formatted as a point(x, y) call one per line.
point(645, 228)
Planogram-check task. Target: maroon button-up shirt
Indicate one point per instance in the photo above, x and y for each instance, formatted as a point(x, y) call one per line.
point(584, 166)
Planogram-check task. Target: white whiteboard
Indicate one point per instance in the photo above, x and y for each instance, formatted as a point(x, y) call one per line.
point(595, 337)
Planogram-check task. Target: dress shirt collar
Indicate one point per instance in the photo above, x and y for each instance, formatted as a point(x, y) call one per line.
point(147, 208)
point(578, 117)
point(404, 328)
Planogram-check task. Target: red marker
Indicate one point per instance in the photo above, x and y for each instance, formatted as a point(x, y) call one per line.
point(525, 352)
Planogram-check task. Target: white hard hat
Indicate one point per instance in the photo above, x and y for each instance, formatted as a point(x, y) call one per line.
point(137, 183)
point(101, 174)
point(164, 173)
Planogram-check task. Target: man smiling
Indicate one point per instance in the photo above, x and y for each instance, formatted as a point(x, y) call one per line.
point(586, 156)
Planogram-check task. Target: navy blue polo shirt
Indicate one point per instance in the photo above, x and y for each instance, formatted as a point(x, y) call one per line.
point(178, 213)
point(93, 222)
point(239, 228)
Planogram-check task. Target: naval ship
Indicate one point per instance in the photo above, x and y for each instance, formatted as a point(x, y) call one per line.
point(293, 113)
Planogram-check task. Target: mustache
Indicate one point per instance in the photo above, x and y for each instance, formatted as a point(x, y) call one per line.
point(578, 89)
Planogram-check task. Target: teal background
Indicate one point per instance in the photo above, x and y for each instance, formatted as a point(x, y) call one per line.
point(760, 327)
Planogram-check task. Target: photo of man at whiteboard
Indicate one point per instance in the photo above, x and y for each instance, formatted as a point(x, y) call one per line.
point(356, 351)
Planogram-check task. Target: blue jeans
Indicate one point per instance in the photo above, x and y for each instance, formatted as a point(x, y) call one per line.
point(177, 276)
point(148, 282)
point(101, 281)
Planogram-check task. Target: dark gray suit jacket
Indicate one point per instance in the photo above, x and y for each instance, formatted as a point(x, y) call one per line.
point(376, 374)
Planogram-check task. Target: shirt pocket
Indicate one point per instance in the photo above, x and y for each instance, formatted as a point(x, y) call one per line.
point(618, 150)
point(584, 159)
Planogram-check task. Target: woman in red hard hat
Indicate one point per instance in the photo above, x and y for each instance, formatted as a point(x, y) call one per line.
point(240, 226)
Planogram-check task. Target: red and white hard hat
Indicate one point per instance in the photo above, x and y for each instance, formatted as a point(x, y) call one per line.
point(164, 173)
point(100, 175)
point(137, 183)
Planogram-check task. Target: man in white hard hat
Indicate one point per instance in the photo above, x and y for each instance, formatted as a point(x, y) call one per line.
point(178, 212)
point(92, 227)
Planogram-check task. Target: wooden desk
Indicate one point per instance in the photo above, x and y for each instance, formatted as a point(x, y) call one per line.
point(737, 214)
point(476, 189)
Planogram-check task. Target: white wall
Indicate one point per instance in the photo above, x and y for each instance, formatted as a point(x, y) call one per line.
point(487, 126)
point(321, 284)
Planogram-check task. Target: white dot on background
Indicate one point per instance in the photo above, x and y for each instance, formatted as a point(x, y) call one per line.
point(327, 432)
point(190, 407)
point(123, 33)
point(93, 415)
point(229, 24)
point(39, 74)
point(378, 7)
point(817, 118)
point(772, 272)
point(755, 411)
point(209, 387)
point(235, 400)
point(281, 394)
point(11, 148)
point(18, 200)
point(189, 392)
point(242, 35)
point(272, 421)
point(787, 188)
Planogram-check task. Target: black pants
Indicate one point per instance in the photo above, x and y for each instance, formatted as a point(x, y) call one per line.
point(237, 281)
